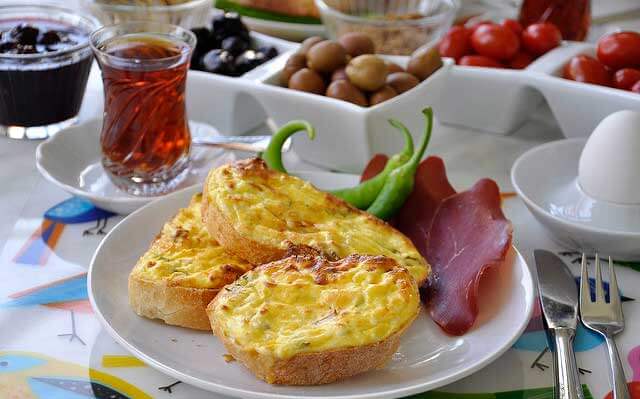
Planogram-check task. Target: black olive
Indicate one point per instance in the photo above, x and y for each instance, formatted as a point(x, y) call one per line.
point(25, 34)
point(228, 24)
point(235, 44)
point(249, 60)
point(49, 38)
point(268, 51)
point(219, 61)
point(8, 47)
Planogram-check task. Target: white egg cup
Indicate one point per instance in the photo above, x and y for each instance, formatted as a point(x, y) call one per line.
point(586, 193)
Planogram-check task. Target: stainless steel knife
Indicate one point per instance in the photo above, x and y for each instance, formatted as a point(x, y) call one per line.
point(559, 298)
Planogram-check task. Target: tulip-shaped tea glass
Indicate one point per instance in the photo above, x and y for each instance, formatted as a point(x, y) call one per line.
point(145, 138)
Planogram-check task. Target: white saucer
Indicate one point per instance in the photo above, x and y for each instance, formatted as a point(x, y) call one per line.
point(71, 160)
point(546, 180)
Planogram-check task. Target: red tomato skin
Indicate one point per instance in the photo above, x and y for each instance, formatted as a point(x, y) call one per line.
point(586, 69)
point(456, 43)
point(495, 41)
point(472, 27)
point(636, 88)
point(625, 78)
point(513, 25)
point(539, 38)
point(480, 61)
point(620, 50)
point(521, 60)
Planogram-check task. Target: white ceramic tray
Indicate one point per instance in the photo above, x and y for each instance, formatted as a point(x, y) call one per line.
point(485, 99)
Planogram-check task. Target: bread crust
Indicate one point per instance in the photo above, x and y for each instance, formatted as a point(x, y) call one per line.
point(175, 305)
point(222, 230)
point(315, 368)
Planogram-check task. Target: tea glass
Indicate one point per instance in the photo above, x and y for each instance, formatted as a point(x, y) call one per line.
point(145, 139)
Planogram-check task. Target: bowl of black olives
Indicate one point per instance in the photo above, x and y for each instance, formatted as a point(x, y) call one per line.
point(227, 47)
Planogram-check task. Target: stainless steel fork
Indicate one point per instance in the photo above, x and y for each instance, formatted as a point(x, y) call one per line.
point(605, 318)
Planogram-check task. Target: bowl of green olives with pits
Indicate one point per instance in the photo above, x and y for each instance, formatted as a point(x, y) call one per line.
point(348, 69)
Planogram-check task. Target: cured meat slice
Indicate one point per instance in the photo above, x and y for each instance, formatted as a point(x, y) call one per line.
point(469, 234)
point(430, 189)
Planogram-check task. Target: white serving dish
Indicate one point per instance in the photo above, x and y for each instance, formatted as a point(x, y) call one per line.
point(546, 179)
point(426, 359)
point(513, 95)
point(485, 99)
point(347, 134)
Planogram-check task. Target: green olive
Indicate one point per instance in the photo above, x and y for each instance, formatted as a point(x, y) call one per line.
point(339, 74)
point(402, 81)
point(295, 63)
point(392, 67)
point(307, 80)
point(343, 90)
point(308, 43)
point(357, 43)
point(326, 56)
point(367, 72)
point(384, 94)
point(424, 61)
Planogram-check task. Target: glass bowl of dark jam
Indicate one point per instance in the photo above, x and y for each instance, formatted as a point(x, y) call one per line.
point(45, 61)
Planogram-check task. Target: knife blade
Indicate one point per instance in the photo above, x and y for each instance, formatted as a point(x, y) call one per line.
point(559, 298)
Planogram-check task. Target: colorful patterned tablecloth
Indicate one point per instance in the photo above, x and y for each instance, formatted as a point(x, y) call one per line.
point(52, 346)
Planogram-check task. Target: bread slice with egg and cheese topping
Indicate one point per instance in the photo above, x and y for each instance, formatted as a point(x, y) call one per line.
point(182, 272)
point(305, 320)
point(263, 215)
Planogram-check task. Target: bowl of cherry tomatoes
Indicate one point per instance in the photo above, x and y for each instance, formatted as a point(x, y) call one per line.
point(503, 72)
point(616, 63)
point(492, 60)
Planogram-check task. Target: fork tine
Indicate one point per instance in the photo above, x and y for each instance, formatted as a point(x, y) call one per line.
point(614, 293)
point(599, 286)
point(585, 290)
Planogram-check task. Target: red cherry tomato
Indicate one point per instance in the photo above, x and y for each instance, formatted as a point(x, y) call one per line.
point(620, 50)
point(480, 61)
point(513, 25)
point(475, 25)
point(521, 60)
point(495, 41)
point(537, 39)
point(636, 88)
point(625, 78)
point(455, 43)
point(583, 68)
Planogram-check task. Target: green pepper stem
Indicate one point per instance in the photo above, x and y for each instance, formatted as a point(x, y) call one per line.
point(407, 151)
point(272, 155)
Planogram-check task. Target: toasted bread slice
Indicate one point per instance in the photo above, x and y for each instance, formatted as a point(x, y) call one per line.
point(182, 272)
point(263, 215)
point(305, 320)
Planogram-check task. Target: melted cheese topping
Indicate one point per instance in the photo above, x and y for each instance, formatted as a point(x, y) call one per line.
point(306, 304)
point(184, 254)
point(276, 208)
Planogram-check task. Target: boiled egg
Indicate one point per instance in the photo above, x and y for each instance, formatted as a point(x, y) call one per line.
point(609, 168)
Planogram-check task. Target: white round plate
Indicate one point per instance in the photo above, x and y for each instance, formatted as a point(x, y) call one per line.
point(426, 359)
point(71, 160)
point(284, 30)
point(546, 179)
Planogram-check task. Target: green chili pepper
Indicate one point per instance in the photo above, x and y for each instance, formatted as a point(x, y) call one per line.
point(363, 195)
point(400, 182)
point(272, 155)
